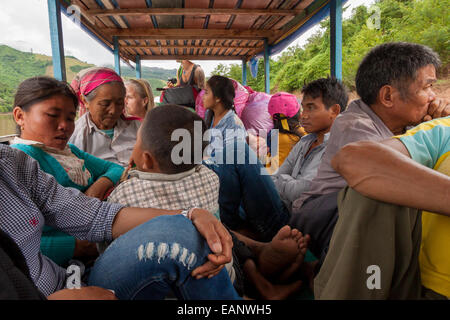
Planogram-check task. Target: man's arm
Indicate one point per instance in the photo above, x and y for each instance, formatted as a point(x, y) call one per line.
point(384, 171)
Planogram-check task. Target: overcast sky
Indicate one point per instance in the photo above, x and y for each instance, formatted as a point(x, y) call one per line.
point(24, 26)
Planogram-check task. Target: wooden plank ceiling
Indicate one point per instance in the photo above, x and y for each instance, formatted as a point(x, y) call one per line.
point(193, 29)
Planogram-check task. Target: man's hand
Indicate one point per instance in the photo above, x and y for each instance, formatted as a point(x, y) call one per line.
point(438, 108)
point(99, 188)
point(84, 293)
point(84, 248)
point(219, 241)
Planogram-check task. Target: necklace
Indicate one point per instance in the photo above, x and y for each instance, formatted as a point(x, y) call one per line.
point(186, 71)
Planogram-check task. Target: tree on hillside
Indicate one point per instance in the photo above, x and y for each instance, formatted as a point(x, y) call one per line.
point(421, 21)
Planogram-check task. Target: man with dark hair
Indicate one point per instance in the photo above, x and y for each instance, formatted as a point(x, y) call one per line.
point(396, 64)
point(394, 81)
point(323, 100)
point(383, 246)
point(331, 90)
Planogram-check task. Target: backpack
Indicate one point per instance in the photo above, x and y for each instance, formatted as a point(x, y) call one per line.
point(183, 95)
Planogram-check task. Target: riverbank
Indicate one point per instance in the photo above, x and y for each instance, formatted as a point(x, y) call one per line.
point(7, 124)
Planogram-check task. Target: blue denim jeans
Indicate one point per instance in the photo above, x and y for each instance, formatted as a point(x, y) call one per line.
point(247, 196)
point(156, 258)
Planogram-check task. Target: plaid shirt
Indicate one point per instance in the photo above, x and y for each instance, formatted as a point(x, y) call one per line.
point(30, 198)
point(198, 187)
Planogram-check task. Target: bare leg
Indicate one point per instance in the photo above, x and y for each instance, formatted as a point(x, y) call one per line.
point(266, 289)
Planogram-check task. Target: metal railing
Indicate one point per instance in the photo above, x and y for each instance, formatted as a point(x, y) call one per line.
point(6, 139)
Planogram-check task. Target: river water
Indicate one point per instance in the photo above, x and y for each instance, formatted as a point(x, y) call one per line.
point(7, 124)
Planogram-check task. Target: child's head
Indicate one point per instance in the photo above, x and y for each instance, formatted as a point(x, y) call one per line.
point(45, 111)
point(285, 111)
point(154, 149)
point(219, 90)
point(323, 100)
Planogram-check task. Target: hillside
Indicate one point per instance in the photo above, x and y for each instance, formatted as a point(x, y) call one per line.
point(157, 77)
point(420, 21)
point(16, 66)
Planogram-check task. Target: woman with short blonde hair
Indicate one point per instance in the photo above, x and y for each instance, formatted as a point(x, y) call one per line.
point(139, 99)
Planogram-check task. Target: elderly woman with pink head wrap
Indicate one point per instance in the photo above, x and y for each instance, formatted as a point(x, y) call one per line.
point(102, 130)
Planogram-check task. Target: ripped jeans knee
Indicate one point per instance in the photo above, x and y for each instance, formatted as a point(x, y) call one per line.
point(159, 255)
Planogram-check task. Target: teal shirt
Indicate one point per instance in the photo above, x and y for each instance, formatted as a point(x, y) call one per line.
point(109, 133)
point(55, 244)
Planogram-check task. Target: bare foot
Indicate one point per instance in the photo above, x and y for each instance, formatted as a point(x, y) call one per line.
point(287, 246)
point(266, 289)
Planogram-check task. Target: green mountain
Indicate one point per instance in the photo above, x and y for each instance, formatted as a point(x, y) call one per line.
point(157, 77)
point(16, 66)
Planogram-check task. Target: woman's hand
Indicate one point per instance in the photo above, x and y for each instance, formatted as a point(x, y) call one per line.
point(219, 241)
point(99, 188)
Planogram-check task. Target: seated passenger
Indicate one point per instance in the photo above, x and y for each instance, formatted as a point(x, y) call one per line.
point(103, 131)
point(32, 199)
point(220, 115)
point(45, 114)
point(323, 100)
point(247, 198)
point(285, 112)
point(139, 98)
point(165, 179)
point(383, 247)
point(394, 81)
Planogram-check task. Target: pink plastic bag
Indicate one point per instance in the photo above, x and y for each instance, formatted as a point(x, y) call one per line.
point(199, 104)
point(240, 99)
point(255, 115)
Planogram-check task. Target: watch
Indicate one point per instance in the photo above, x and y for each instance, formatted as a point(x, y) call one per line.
point(188, 212)
point(185, 213)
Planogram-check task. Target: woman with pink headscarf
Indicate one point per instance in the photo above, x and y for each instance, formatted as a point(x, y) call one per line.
point(102, 130)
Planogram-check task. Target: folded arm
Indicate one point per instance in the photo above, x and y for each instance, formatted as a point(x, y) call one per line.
point(384, 171)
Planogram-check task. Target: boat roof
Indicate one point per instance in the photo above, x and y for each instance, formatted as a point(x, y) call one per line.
point(195, 29)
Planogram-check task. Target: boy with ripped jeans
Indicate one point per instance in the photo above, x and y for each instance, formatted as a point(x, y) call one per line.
point(169, 180)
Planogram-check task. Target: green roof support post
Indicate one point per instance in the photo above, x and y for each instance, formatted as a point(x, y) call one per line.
point(138, 67)
point(336, 38)
point(267, 66)
point(116, 55)
point(56, 38)
point(244, 72)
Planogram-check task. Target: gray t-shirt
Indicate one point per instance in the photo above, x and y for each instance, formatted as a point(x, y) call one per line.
point(357, 123)
point(295, 175)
